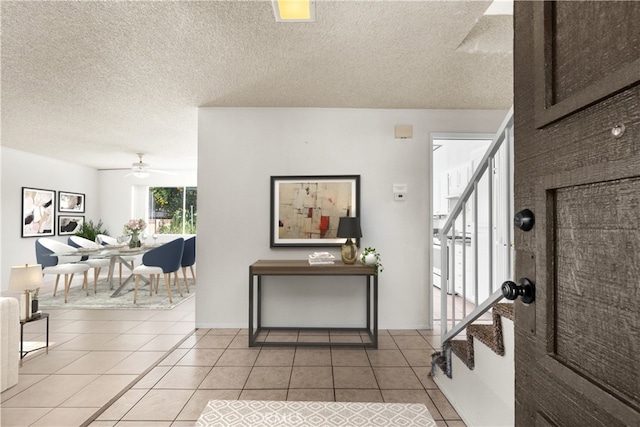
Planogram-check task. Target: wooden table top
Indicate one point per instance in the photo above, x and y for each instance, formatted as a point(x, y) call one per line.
point(302, 267)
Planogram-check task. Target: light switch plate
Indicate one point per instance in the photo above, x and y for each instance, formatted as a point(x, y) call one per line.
point(400, 192)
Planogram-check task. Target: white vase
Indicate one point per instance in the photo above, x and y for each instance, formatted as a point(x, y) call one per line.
point(370, 259)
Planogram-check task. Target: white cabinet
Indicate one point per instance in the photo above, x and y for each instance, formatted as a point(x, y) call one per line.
point(440, 193)
point(463, 273)
point(458, 179)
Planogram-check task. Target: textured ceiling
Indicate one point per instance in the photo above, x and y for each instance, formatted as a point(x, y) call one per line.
point(96, 82)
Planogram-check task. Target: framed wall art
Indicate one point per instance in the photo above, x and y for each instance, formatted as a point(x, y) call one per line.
point(70, 202)
point(69, 224)
point(305, 210)
point(38, 212)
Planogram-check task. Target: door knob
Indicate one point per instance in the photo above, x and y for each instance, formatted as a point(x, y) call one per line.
point(525, 289)
point(524, 220)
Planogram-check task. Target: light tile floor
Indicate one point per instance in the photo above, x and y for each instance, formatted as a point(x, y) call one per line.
point(218, 364)
point(150, 368)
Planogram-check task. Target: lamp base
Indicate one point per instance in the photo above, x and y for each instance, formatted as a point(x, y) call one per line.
point(25, 306)
point(349, 252)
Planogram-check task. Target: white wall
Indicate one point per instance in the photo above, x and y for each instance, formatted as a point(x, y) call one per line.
point(22, 169)
point(240, 148)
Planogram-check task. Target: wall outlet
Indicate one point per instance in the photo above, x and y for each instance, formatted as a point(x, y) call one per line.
point(400, 192)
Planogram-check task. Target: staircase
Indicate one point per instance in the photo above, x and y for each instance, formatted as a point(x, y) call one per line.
point(476, 374)
point(479, 380)
point(490, 335)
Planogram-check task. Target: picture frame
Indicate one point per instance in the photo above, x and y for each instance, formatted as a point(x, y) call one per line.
point(305, 209)
point(69, 224)
point(38, 212)
point(70, 202)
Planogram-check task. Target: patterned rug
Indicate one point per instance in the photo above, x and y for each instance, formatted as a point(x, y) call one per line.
point(259, 413)
point(78, 299)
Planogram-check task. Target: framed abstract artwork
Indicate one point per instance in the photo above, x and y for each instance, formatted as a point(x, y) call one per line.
point(70, 202)
point(69, 224)
point(38, 212)
point(305, 210)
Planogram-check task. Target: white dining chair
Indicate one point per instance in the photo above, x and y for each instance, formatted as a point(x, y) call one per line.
point(67, 265)
point(96, 263)
point(104, 240)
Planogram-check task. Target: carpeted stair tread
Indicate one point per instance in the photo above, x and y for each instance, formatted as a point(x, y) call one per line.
point(504, 310)
point(484, 333)
point(489, 335)
point(464, 350)
point(439, 359)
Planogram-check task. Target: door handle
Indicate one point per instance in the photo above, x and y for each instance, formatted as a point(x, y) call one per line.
point(525, 289)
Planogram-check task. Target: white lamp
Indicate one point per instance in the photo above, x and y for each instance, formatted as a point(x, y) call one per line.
point(25, 278)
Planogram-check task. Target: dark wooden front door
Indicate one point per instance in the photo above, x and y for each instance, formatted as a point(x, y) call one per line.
point(577, 167)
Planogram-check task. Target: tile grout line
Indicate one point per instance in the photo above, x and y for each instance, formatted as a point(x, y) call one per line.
point(175, 419)
point(106, 406)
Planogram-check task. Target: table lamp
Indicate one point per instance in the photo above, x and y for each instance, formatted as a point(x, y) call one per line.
point(25, 278)
point(349, 227)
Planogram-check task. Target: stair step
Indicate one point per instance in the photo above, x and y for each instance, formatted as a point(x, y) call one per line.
point(464, 350)
point(439, 359)
point(489, 335)
point(504, 309)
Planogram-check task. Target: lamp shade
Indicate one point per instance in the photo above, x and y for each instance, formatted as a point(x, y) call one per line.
point(25, 277)
point(349, 227)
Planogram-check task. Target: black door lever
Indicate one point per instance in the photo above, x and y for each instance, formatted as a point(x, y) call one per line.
point(525, 289)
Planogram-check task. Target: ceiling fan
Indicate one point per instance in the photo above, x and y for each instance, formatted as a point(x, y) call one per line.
point(140, 169)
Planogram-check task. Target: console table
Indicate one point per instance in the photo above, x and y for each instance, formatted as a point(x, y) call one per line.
point(262, 268)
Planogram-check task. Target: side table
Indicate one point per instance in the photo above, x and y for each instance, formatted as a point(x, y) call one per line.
point(34, 318)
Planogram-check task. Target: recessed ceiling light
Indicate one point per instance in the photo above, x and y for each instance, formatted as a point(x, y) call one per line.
point(500, 7)
point(294, 10)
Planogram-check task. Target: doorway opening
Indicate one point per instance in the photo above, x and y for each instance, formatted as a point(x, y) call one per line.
point(454, 159)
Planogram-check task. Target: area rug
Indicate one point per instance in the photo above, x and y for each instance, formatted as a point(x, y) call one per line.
point(260, 413)
point(102, 299)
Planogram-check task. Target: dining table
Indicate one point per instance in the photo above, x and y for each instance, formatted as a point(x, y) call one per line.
point(115, 253)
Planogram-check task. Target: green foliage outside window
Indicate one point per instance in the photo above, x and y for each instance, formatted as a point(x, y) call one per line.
point(173, 210)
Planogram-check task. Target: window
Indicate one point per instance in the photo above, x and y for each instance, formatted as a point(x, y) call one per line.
point(173, 210)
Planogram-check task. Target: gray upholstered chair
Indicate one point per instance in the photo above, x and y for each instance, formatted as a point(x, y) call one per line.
point(165, 259)
point(188, 260)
